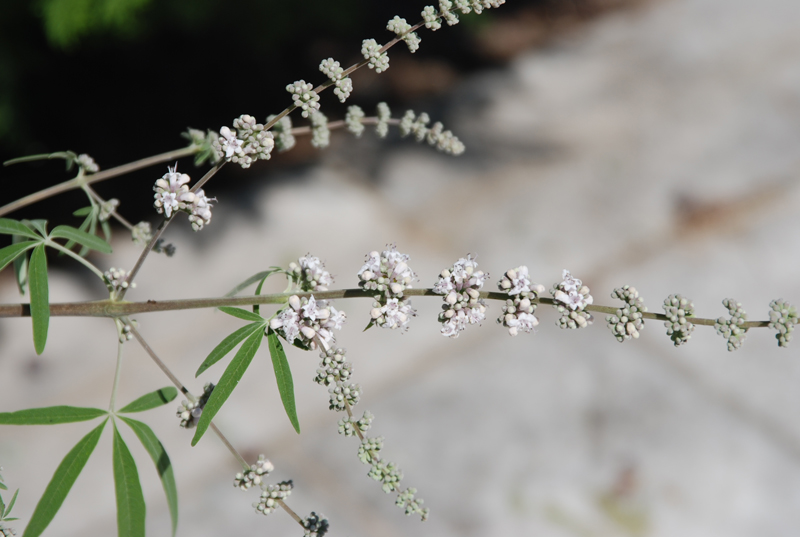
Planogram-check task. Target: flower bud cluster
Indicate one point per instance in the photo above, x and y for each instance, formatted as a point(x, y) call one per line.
point(446, 13)
point(436, 136)
point(249, 142)
point(282, 132)
point(173, 195)
point(402, 29)
point(371, 51)
point(343, 394)
point(142, 233)
point(571, 297)
point(315, 525)
point(333, 367)
point(353, 119)
point(304, 97)
point(305, 319)
point(347, 426)
point(370, 449)
point(117, 280)
point(107, 208)
point(125, 332)
point(270, 496)
point(628, 321)
point(782, 317)
point(309, 274)
point(461, 286)
point(189, 413)
point(87, 163)
point(387, 473)
point(731, 329)
point(343, 84)
point(518, 311)
point(431, 18)
point(384, 115)
point(408, 501)
point(678, 309)
point(387, 274)
point(320, 133)
point(262, 467)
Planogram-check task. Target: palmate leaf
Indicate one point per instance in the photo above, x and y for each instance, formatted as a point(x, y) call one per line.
point(227, 345)
point(162, 462)
point(151, 400)
point(62, 481)
point(283, 375)
point(230, 378)
point(81, 237)
point(50, 415)
point(130, 500)
point(40, 299)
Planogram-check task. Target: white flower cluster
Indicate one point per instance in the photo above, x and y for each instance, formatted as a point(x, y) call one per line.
point(518, 311)
point(87, 163)
point(628, 321)
point(387, 274)
point(371, 51)
point(402, 29)
point(116, 280)
point(173, 195)
point(282, 132)
point(270, 496)
point(309, 274)
point(333, 367)
point(320, 133)
point(245, 144)
point(107, 208)
point(245, 480)
point(384, 115)
point(304, 97)
point(353, 119)
point(347, 426)
point(731, 329)
point(342, 395)
point(461, 286)
point(315, 525)
point(189, 413)
point(387, 473)
point(305, 319)
point(677, 309)
point(431, 18)
point(343, 85)
point(571, 297)
point(408, 501)
point(782, 317)
point(142, 233)
point(436, 136)
point(370, 449)
point(125, 332)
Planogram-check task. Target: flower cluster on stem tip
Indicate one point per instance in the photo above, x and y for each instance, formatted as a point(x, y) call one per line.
point(518, 311)
point(246, 143)
point(304, 97)
point(117, 280)
point(571, 297)
point(343, 84)
point(172, 194)
point(333, 367)
point(384, 115)
point(443, 140)
point(731, 329)
point(782, 317)
point(371, 50)
point(261, 468)
point(107, 208)
point(678, 309)
point(315, 525)
point(353, 120)
point(142, 233)
point(307, 318)
point(87, 163)
point(309, 274)
point(387, 274)
point(461, 286)
point(271, 495)
point(189, 413)
point(628, 321)
point(402, 29)
point(408, 501)
point(320, 133)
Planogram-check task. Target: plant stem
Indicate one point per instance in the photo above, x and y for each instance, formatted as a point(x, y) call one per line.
point(118, 371)
point(149, 248)
point(78, 258)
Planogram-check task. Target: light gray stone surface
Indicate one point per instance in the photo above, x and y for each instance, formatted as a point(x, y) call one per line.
point(580, 156)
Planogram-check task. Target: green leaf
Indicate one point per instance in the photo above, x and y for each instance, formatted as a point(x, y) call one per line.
point(152, 400)
point(11, 505)
point(253, 279)
point(20, 267)
point(40, 300)
point(10, 253)
point(83, 211)
point(62, 481)
point(2, 508)
point(81, 237)
point(3, 487)
point(240, 313)
point(230, 378)
point(162, 462)
point(130, 500)
point(283, 375)
point(227, 345)
point(37, 224)
point(14, 227)
point(50, 415)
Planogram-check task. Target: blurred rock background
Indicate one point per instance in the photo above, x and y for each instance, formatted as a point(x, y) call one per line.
point(643, 143)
